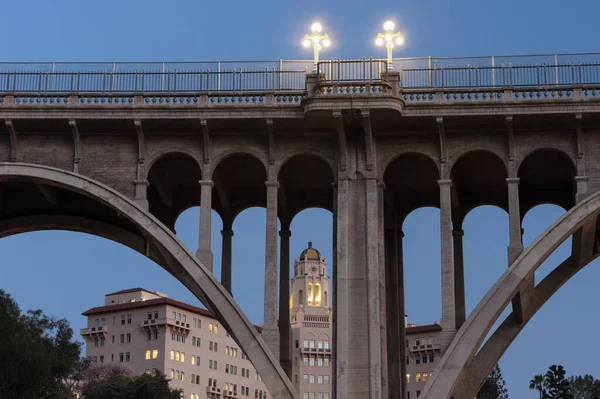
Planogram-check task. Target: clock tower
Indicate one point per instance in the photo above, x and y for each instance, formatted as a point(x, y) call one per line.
point(310, 321)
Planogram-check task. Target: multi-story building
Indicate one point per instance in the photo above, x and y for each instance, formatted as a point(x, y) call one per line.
point(423, 352)
point(310, 322)
point(149, 332)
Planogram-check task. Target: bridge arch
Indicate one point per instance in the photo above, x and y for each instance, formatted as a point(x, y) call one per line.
point(466, 364)
point(43, 198)
point(234, 152)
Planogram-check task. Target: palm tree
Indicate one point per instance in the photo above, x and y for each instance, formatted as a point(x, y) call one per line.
point(537, 383)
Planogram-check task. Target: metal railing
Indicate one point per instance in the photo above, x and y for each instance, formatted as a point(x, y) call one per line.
point(543, 75)
point(151, 81)
point(363, 70)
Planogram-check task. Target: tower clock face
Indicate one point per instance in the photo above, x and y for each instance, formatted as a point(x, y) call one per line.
point(313, 269)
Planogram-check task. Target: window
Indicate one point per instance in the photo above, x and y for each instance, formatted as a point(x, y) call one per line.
point(174, 315)
point(320, 379)
point(193, 362)
point(430, 340)
point(311, 379)
point(178, 316)
point(182, 376)
point(101, 358)
point(155, 334)
point(128, 319)
point(148, 354)
point(418, 360)
point(148, 335)
point(418, 377)
point(121, 357)
point(112, 357)
point(305, 395)
point(320, 362)
point(326, 362)
point(154, 353)
point(312, 362)
point(149, 315)
point(431, 358)
point(156, 314)
point(407, 378)
point(197, 360)
point(407, 360)
point(424, 377)
point(122, 338)
point(198, 379)
point(306, 378)
point(305, 361)
point(194, 340)
point(127, 356)
point(194, 322)
point(326, 379)
point(326, 344)
point(122, 319)
point(326, 395)
point(320, 344)
point(172, 373)
point(425, 359)
point(183, 318)
point(96, 342)
point(113, 338)
point(320, 395)
point(210, 362)
point(305, 344)
point(216, 347)
point(418, 393)
point(177, 356)
point(128, 338)
point(182, 357)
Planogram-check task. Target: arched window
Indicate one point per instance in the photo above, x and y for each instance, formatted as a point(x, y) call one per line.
point(317, 294)
point(310, 294)
point(325, 298)
point(300, 297)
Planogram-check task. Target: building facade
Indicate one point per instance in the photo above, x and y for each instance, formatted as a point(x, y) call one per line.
point(311, 329)
point(149, 332)
point(423, 352)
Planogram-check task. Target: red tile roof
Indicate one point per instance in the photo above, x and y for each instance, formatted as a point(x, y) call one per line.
point(422, 329)
point(148, 303)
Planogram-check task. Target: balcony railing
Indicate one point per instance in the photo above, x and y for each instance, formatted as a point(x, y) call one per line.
point(94, 330)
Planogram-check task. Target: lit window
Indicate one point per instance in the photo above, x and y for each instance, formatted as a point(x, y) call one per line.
point(407, 378)
point(425, 377)
point(182, 357)
point(148, 355)
point(182, 376)
point(154, 353)
point(177, 356)
point(193, 359)
point(172, 355)
point(418, 377)
point(172, 373)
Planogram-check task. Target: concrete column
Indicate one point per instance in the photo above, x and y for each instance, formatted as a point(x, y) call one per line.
point(401, 311)
point(270, 331)
point(393, 292)
point(448, 294)
point(459, 278)
point(357, 318)
point(515, 245)
point(284, 304)
point(204, 252)
point(227, 234)
point(384, 287)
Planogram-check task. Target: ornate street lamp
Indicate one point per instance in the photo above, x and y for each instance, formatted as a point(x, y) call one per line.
point(389, 37)
point(316, 39)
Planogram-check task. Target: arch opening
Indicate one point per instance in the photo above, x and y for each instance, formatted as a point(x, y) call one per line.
point(547, 176)
point(173, 186)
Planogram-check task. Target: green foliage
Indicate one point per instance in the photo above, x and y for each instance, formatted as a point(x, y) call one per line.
point(36, 353)
point(139, 387)
point(584, 387)
point(556, 386)
point(537, 383)
point(494, 386)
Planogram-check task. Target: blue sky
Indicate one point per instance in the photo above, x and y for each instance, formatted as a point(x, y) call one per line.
point(66, 273)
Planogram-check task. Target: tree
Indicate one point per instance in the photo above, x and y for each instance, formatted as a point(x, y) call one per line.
point(584, 387)
point(537, 383)
point(144, 386)
point(494, 386)
point(36, 353)
point(555, 384)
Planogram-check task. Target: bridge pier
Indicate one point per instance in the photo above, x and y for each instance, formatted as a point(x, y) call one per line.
point(284, 307)
point(357, 328)
point(448, 278)
point(270, 330)
point(204, 251)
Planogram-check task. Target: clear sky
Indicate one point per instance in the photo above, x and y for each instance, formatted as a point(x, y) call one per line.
point(66, 273)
